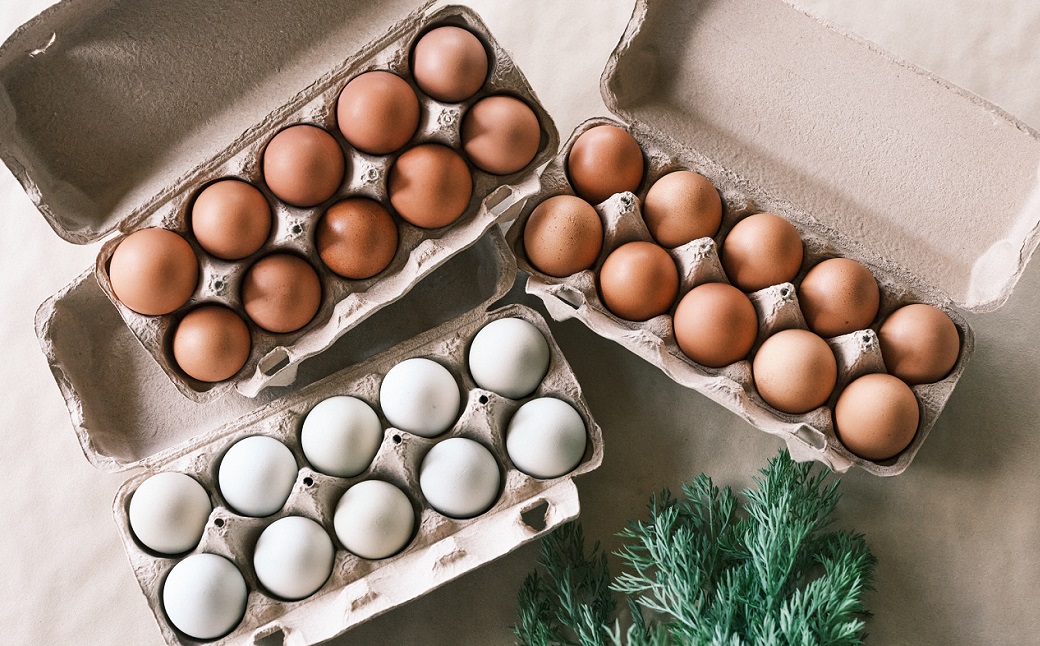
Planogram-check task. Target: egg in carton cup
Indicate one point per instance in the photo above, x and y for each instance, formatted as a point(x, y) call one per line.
point(854, 150)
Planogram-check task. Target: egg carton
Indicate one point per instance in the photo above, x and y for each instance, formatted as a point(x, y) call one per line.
point(443, 548)
point(274, 357)
point(809, 436)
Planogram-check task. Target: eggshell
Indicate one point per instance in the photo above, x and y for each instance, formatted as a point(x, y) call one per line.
point(795, 371)
point(510, 357)
point(430, 186)
point(603, 161)
point(450, 64)
point(168, 512)
point(876, 416)
point(204, 596)
point(563, 235)
point(839, 296)
point(546, 438)
point(303, 165)
point(356, 238)
point(153, 271)
point(293, 557)
point(281, 292)
point(500, 134)
point(420, 396)
point(715, 325)
point(460, 478)
point(377, 112)
point(919, 343)
point(374, 519)
point(680, 207)
point(211, 343)
point(340, 436)
point(256, 475)
point(231, 219)
point(638, 281)
point(760, 251)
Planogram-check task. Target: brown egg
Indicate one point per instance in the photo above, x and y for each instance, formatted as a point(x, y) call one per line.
point(604, 160)
point(638, 281)
point(153, 271)
point(211, 343)
point(430, 186)
point(281, 292)
point(795, 371)
point(377, 112)
point(357, 238)
point(715, 325)
point(563, 235)
point(876, 416)
point(500, 134)
point(450, 64)
point(231, 219)
point(838, 296)
point(680, 207)
point(761, 250)
point(919, 343)
point(303, 165)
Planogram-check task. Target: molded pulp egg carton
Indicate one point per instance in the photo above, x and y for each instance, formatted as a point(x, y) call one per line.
point(274, 358)
point(784, 114)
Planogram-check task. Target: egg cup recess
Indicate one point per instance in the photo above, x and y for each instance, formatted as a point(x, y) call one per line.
point(441, 546)
point(297, 222)
point(810, 435)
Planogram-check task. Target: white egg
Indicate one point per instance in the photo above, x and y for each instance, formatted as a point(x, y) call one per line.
point(545, 438)
point(293, 557)
point(168, 512)
point(510, 357)
point(460, 478)
point(374, 519)
point(257, 475)
point(340, 436)
point(204, 596)
point(420, 396)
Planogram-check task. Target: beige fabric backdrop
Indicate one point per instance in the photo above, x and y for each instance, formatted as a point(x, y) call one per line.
point(957, 535)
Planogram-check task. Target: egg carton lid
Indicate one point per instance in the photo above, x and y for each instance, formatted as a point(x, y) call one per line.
point(105, 103)
point(929, 180)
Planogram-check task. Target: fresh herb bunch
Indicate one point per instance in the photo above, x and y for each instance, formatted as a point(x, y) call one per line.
point(696, 573)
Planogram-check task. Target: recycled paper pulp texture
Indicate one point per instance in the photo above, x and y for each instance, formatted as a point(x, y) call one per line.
point(957, 534)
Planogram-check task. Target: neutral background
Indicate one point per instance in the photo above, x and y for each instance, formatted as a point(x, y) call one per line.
point(957, 535)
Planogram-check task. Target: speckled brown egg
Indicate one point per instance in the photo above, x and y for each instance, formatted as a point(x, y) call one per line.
point(795, 371)
point(211, 343)
point(450, 64)
point(761, 250)
point(281, 292)
point(357, 238)
point(563, 235)
point(153, 271)
point(838, 296)
point(500, 134)
point(876, 416)
point(680, 207)
point(303, 165)
point(430, 186)
point(377, 112)
point(231, 219)
point(638, 281)
point(919, 343)
point(715, 325)
point(604, 160)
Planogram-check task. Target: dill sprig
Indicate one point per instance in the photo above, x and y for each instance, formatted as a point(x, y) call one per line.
point(698, 571)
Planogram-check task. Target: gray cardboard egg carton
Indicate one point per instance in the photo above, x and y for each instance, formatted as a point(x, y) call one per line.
point(442, 549)
point(345, 303)
point(809, 436)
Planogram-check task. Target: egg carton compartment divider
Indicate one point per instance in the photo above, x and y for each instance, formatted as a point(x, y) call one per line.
point(442, 548)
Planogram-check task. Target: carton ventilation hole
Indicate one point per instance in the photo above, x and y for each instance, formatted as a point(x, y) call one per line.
point(812, 437)
point(536, 517)
point(396, 439)
point(784, 292)
point(274, 361)
point(483, 399)
point(297, 229)
point(308, 481)
point(570, 296)
point(277, 638)
point(219, 522)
